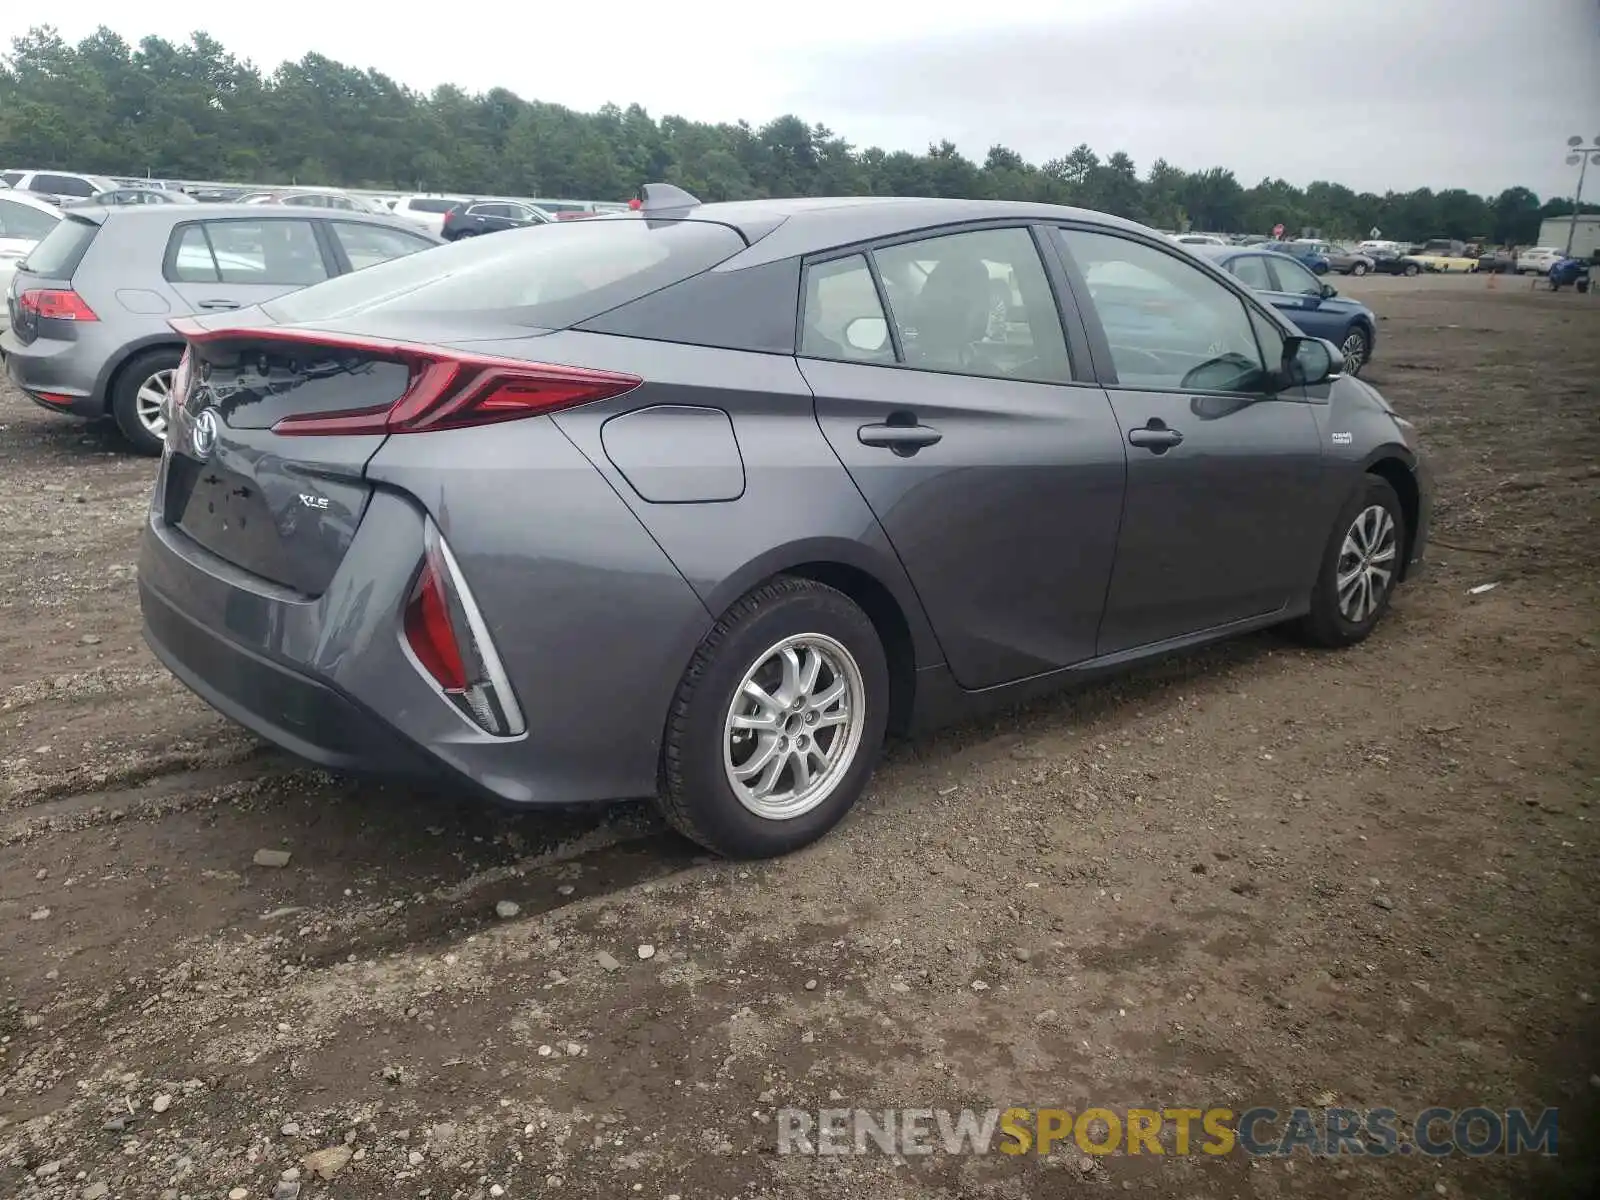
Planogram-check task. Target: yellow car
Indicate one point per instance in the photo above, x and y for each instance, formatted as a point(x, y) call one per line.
point(1446, 262)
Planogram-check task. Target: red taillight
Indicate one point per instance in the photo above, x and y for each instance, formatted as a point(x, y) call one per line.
point(430, 632)
point(450, 642)
point(448, 389)
point(57, 305)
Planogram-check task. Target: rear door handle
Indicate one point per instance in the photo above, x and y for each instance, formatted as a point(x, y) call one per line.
point(215, 304)
point(905, 440)
point(1155, 437)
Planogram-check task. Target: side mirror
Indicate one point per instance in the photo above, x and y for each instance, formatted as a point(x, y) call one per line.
point(1329, 291)
point(1308, 361)
point(867, 334)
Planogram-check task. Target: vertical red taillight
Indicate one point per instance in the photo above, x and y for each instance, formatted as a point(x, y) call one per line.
point(447, 637)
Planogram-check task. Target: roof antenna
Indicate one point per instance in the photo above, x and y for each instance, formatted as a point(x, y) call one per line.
point(655, 197)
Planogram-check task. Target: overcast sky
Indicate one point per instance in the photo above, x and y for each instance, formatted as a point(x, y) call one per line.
point(1377, 94)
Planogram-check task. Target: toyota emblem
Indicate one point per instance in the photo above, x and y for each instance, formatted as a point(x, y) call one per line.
point(204, 438)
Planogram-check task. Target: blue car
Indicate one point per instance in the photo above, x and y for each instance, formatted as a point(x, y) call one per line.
point(1570, 272)
point(1305, 252)
point(1316, 307)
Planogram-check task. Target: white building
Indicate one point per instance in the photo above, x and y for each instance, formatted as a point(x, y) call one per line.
point(1585, 238)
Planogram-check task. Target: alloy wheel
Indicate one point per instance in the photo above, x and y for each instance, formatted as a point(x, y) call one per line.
point(1366, 563)
point(1354, 351)
point(794, 726)
point(150, 402)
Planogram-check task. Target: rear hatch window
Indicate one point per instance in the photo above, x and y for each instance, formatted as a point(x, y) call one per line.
point(549, 277)
point(62, 249)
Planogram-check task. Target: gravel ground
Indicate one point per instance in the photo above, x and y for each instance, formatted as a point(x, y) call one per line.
point(1252, 875)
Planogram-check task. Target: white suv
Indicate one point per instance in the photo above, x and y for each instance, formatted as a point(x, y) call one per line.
point(57, 186)
point(427, 210)
point(1537, 260)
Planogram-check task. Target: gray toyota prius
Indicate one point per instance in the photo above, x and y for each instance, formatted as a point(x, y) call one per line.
point(702, 501)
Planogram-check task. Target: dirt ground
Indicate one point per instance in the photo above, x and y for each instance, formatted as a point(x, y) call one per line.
point(1252, 875)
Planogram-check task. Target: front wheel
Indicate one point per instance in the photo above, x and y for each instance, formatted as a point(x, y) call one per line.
point(1355, 348)
point(777, 723)
point(1360, 567)
point(1359, 269)
point(140, 398)
point(1413, 269)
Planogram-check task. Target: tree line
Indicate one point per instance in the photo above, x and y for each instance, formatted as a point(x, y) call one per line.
point(196, 111)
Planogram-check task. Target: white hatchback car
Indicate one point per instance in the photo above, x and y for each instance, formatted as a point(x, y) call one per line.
point(24, 220)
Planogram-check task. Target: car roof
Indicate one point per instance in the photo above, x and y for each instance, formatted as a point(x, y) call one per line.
point(173, 214)
point(22, 197)
point(779, 229)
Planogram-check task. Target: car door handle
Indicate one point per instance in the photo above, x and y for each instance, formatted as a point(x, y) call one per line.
point(905, 437)
point(1155, 436)
point(214, 304)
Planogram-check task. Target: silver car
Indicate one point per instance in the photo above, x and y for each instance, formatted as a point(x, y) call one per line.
point(701, 502)
point(90, 308)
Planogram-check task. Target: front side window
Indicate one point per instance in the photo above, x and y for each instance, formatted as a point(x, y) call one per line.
point(368, 245)
point(843, 317)
point(975, 303)
point(1296, 279)
point(1170, 325)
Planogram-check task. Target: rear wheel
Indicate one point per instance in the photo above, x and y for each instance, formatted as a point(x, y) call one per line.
point(1360, 567)
point(777, 723)
point(1413, 269)
point(139, 399)
point(1359, 269)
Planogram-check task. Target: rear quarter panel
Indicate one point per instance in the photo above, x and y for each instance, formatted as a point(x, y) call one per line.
point(591, 619)
point(798, 504)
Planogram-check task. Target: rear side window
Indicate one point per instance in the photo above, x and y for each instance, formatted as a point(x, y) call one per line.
point(277, 253)
point(843, 317)
point(63, 248)
point(23, 221)
point(549, 277)
point(62, 185)
point(1251, 270)
point(427, 205)
point(11, 178)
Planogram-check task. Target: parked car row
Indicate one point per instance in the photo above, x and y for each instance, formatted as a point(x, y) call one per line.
point(66, 187)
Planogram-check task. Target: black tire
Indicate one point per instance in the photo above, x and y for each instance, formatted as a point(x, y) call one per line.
point(1327, 624)
point(1413, 269)
point(1359, 269)
point(125, 396)
point(695, 795)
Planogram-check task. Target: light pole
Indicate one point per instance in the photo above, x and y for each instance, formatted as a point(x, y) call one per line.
point(1581, 156)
